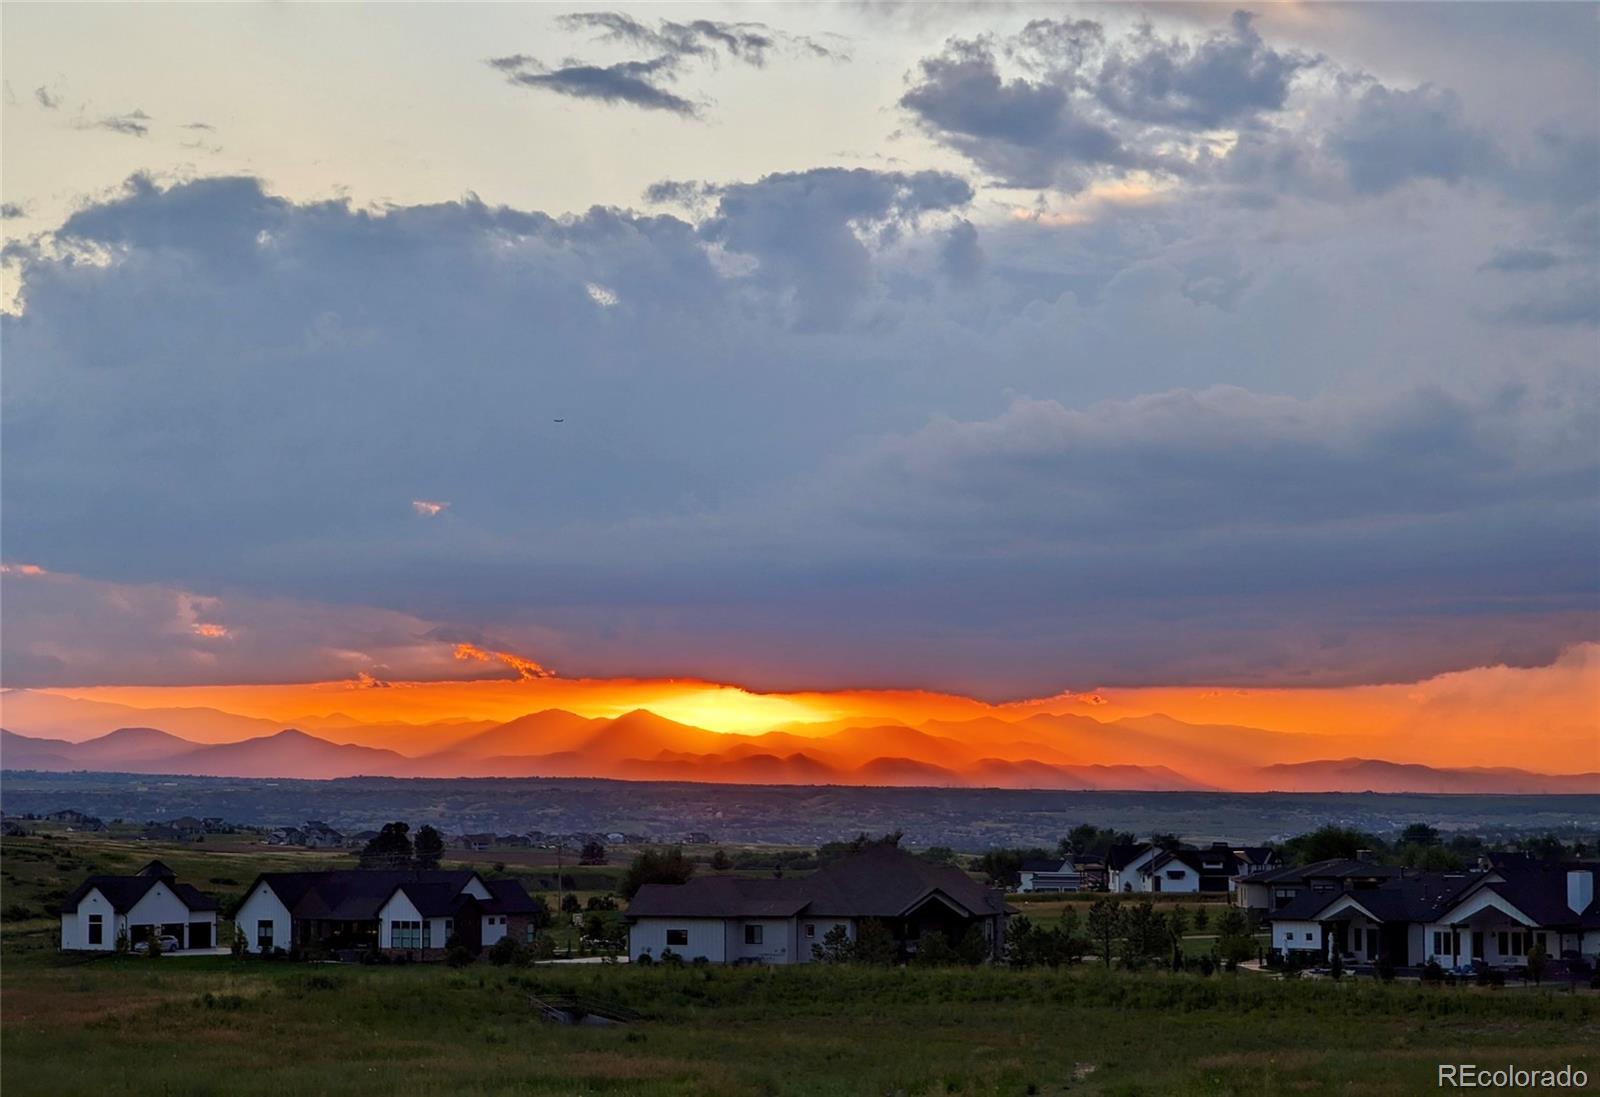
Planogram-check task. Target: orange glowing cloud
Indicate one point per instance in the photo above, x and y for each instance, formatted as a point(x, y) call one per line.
point(526, 669)
point(428, 508)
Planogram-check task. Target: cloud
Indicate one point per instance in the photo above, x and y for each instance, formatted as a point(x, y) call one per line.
point(135, 123)
point(1396, 135)
point(672, 47)
point(46, 98)
point(1083, 105)
point(1027, 133)
point(1228, 78)
point(11, 210)
point(1521, 260)
point(526, 669)
point(427, 508)
point(844, 426)
point(624, 82)
point(66, 630)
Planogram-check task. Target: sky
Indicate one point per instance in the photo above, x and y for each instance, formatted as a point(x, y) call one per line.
point(988, 351)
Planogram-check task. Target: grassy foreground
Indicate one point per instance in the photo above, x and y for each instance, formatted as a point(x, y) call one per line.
point(220, 1026)
point(198, 1026)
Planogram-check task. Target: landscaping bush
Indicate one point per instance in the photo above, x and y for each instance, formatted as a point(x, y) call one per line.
point(502, 952)
point(461, 956)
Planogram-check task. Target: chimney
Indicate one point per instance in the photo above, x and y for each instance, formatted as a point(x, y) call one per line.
point(1580, 889)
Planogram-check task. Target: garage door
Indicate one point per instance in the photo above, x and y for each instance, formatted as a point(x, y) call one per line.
point(199, 934)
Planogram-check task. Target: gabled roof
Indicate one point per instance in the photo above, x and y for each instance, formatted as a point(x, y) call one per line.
point(124, 892)
point(879, 882)
point(1048, 864)
point(158, 869)
point(1119, 857)
point(885, 882)
point(1256, 855)
point(1338, 868)
point(721, 897)
point(1203, 861)
point(508, 897)
point(1420, 897)
point(354, 895)
point(1539, 890)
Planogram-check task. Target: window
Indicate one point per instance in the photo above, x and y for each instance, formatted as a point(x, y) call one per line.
point(811, 929)
point(449, 928)
point(264, 934)
point(427, 933)
point(1174, 873)
point(1544, 944)
point(527, 933)
point(1310, 936)
point(97, 929)
point(752, 935)
point(678, 937)
point(405, 934)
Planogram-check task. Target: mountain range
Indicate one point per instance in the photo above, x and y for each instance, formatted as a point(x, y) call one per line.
point(1040, 752)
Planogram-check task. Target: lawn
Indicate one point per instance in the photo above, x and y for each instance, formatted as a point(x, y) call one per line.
point(184, 1026)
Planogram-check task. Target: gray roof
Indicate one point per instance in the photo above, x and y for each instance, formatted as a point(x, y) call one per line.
point(1539, 890)
point(124, 892)
point(880, 882)
point(1337, 868)
point(354, 894)
point(1416, 897)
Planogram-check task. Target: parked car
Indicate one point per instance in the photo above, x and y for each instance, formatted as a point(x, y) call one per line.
point(169, 943)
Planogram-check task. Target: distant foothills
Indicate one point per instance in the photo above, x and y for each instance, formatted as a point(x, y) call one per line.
point(1041, 751)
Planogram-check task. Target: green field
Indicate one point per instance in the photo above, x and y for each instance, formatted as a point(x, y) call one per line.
point(196, 1026)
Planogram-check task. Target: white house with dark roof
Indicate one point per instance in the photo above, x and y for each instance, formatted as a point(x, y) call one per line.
point(149, 903)
point(402, 910)
point(1492, 918)
point(732, 919)
point(1051, 874)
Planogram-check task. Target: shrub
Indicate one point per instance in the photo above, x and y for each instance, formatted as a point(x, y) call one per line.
point(670, 958)
point(502, 952)
point(461, 956)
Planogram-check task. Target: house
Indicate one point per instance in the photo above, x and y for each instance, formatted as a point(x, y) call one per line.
point(1493, 918)
point(1091, 871)
point(1049, 874)
point(1123, 863)
point(734, 919)
point(1253, 860)
point(75, 820)
point(286, 836)
point(103, 909)
point(319, 835)
point(1274, 889)
point(405, 910)
point(697, 838)
point(1188, 871)
point(478, 842)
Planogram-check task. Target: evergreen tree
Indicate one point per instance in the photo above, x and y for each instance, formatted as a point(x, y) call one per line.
point(390, 849)
point(656, 866)
point(429, 848)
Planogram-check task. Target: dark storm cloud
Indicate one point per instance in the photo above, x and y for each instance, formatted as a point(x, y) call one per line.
point(1025, 133)
point(831, 424)
point(1396, 136)
point(1228, 78)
